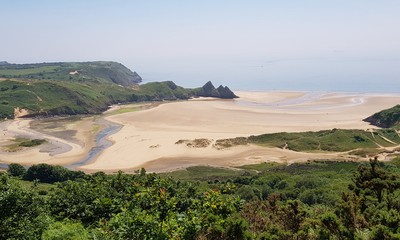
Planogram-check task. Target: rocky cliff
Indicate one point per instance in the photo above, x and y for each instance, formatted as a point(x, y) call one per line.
point(208, 90)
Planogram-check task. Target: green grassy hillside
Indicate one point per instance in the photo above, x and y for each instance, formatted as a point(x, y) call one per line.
point(386, 118)
point(104, 72)
point(47, 97)
point(82, 88)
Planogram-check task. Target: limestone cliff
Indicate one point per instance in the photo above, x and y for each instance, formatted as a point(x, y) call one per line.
point(208, 90)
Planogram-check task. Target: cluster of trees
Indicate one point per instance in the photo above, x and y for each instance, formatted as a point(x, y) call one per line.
point(151, 206)
point(44, 173)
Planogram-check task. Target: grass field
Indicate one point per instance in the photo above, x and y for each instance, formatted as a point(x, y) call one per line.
point(103, 72)
point(28, 71)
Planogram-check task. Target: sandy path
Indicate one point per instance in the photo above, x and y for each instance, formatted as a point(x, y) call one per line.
point(148, 137)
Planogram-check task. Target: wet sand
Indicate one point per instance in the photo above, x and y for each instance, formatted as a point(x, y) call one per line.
point(67, 140)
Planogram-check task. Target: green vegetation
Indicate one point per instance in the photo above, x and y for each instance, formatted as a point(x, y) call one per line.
point(50, 174)
point(336, 140)
point(23, 142)
point(32, 143)
point(22, 215)
point(165, 91)
point(386, 118)
point(83, 88)
point(47, 97)
point(204, 173)
point(65, 231)
point(61, 97)
point(100, 72)
point(313, 200)
point(16, 170)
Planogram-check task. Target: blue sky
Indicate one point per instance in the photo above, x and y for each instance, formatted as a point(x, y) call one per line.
point(305, 45)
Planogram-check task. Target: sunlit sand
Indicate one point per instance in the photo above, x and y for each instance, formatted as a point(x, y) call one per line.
point(148, 137)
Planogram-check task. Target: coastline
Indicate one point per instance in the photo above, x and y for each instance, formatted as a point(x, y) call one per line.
point(58, 149)
point(150, 131)
point(148, 137)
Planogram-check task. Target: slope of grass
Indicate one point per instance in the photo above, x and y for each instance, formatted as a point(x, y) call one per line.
point(47, 97)
point(336, 140)
point(164, 91)
point(58, 97)
point(81, 88)
point(328, 140)
point(101, 71)
point(386, 118)
point(70, 88)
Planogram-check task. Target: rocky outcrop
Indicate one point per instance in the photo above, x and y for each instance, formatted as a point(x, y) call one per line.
point(208, 90)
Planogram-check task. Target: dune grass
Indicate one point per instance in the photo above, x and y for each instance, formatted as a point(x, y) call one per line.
point(20, 143)
point(335, 140)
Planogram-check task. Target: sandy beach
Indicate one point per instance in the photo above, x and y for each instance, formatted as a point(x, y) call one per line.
point(148, 137)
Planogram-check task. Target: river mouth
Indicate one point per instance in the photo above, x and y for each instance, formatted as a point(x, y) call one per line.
point(101, 143)
point(71, 133)
point(54, 127)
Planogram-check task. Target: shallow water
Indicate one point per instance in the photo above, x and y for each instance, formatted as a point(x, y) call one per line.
point(101, 143)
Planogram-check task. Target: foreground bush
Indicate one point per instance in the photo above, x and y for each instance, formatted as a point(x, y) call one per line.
point(50, 174)
point(16, 170)
point(23, 214)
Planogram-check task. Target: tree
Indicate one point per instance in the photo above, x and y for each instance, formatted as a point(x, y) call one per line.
point(16, 170)
point(374, 181)
point(372, 202)
point(50, 174)
point(142, 172)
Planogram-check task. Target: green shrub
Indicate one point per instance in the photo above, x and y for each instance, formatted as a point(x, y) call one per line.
point(16, 170)
point(32, 143)
point(65, 231)
point(23, 214)
point(49, 174)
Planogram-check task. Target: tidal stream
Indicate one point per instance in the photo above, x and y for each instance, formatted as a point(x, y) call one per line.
point(101, 143)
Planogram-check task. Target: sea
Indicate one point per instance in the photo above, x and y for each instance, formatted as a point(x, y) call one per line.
point(363, 75)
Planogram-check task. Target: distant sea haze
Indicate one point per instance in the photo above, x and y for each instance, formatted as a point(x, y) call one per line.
point(332, 75)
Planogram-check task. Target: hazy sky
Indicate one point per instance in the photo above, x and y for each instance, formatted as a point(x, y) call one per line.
point(347, 45)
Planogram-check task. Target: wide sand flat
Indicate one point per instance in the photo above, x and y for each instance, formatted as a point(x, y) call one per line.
point(61, 150)
point(148, 137)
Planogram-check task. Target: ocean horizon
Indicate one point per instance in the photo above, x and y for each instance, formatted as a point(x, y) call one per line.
point(330, 75)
